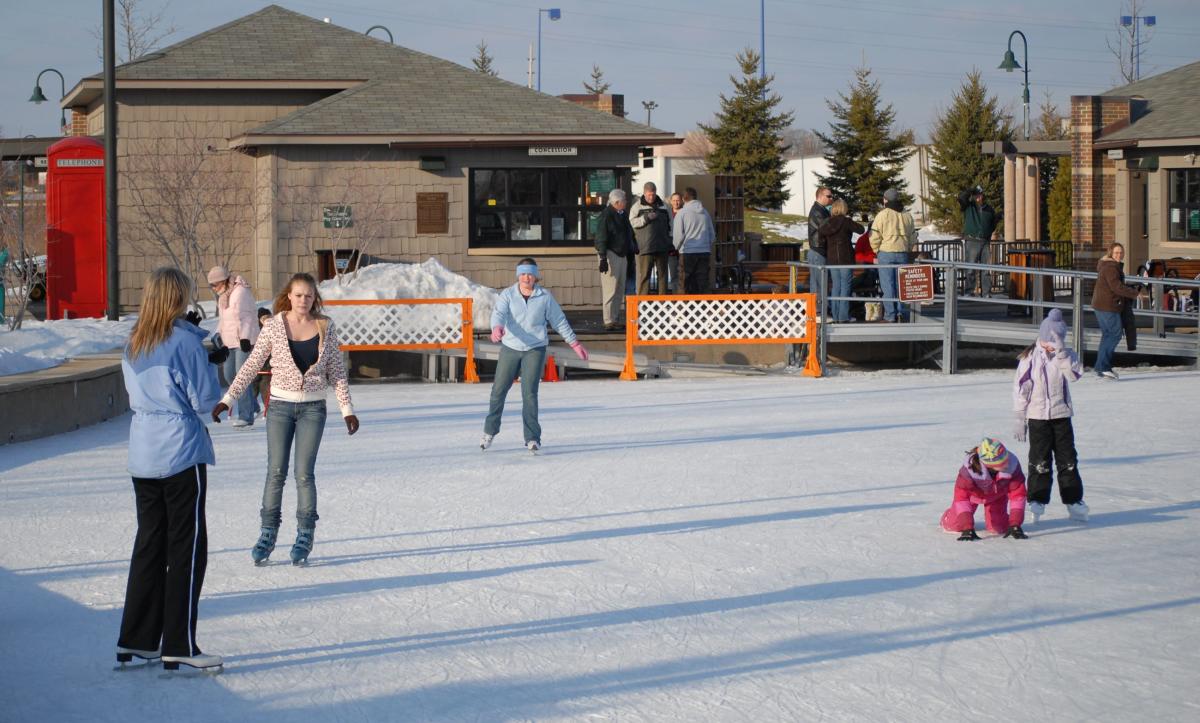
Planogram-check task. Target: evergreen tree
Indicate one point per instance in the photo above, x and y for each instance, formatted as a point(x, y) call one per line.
point(866, 156)
point(598, 86)
point(483, 61)
point(748, 136)
point(1059, 202)
point(1049, 128)
point(956, 160)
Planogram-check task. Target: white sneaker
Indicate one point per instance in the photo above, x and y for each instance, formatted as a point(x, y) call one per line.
point(200, 662)
point(241, 423)
point(533, 445)
point(1037, 509)
point(1110, 374)
point(1078, 511)
point(486, 441)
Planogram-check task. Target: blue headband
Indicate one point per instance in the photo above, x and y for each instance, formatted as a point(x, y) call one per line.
point(527, 269)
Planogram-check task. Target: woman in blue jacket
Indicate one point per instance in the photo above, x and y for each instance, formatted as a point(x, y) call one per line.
point(171, 387)
point(519, 326)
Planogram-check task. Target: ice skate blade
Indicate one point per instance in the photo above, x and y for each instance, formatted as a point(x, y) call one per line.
point(300, 563)
point(139, 664)
point(190, 672)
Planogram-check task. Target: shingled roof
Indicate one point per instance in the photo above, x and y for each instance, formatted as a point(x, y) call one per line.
point(1171, 110)
point(390, 90)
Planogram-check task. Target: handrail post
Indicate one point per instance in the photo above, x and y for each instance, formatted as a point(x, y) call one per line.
point(1037, 296)
point(1077, 319)
point(1159, 306)
point(950, 323)
point(822, 336)
point(793, 355)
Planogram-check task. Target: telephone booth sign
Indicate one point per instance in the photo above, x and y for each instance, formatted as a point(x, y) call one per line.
point(76, 262)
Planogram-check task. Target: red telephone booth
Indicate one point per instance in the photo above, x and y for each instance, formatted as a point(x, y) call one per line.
point(76, 263)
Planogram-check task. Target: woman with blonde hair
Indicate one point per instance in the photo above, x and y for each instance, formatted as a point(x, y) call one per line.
point(306, 359)
point(836, 234)
point(170, 383)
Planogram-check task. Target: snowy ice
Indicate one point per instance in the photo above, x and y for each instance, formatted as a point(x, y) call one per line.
point(731, 549)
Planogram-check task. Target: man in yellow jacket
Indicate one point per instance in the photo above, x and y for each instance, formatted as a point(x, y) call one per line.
point(893, 237)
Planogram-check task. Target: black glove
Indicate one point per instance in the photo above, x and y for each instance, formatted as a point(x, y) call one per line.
point(192, 318)
point(219, 355)
point(1016, 533)
point(246, 347)
point(968, 536)
point(604, 264)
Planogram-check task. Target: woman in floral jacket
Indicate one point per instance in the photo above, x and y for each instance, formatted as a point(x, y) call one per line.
point(306, 360)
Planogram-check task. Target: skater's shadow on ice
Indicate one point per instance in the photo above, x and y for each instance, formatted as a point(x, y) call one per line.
point(82, 443)
point(244, 601)
point(402, 415)
point(661, 528)
point(627, 444)
point(1145, 516)
point(1135, 459)
point(541, 697)
point(814, 593)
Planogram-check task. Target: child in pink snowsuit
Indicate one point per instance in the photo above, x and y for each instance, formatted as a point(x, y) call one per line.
point(991, 477)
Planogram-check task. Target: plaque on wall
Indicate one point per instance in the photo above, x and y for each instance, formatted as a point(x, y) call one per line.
point(433, 213)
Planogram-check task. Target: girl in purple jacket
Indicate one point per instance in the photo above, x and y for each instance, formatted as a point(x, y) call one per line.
point(1042, 403)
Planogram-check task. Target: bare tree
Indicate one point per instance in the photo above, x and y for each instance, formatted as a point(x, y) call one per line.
point(23, 273)
point(344, 214)
point(1127, 41)
point(138, 31)
point(186, 204)
point(802, 143)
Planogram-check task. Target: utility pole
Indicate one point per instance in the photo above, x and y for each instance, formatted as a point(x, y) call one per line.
point(530, 72)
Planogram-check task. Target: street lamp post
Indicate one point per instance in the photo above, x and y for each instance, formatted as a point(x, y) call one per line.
point(1147, 20)
point(649, 105)
point(39, 97)
point(553, 14)
point(384, 29)
point(113, 252)
point(1010, 64)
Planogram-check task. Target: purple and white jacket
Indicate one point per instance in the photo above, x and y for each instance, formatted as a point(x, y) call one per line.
point(1040, 386)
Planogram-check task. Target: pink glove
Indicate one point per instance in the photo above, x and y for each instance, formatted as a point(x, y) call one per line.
point(579, 350)
point(497, 334)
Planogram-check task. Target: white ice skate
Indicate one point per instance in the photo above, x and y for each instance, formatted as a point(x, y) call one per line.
point(1037, 509)
point(1078, 511)
point(125, 657)
point(201, 663)
point(486, 441)
point(533, 446)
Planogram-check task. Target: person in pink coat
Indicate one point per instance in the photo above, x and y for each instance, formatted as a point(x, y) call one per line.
point(991, 477)
point(237, 325)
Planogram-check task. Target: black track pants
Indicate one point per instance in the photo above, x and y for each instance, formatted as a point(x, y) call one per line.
point(1053, 437)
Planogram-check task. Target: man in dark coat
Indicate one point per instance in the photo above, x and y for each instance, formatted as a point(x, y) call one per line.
point(817, 216)
point(652, 229)
point(614, 243)
point(979, 223)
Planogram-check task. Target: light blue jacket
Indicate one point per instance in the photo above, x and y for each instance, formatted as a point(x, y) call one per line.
point(524, 320)
point(172, 390)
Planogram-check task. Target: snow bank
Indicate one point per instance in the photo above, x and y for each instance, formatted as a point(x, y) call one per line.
point(45, 344)
point(428, 280)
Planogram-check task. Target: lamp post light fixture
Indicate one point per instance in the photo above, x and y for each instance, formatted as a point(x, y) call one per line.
point(1147, 20)
point(384, 29)
point(39, 97)
point(553, 14)
point(1010, 64)
point(649, 105)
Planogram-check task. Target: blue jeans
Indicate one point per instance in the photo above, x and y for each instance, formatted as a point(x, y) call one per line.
point(245, 406)
point(841, 287)
point(302, 423)
point(1110, 334)
point(529, 366)
point(892, 310)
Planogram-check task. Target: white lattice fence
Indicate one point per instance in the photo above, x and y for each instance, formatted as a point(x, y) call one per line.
point(730, 319)
point(721, 319)
point(406, 324)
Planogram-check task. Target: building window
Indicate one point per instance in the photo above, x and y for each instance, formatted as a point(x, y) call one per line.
point(545, 207)
point(1184, 207)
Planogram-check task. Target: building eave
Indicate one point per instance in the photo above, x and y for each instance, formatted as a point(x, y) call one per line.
point(425, 141)
point(90, 90)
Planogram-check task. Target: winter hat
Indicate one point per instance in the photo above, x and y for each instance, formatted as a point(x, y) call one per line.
point(1053, 329)
point(217, 274)
point(528, 269)
point(992, 453)
point(891, 195)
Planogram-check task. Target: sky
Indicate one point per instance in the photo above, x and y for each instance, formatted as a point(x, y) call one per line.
point(677, 54)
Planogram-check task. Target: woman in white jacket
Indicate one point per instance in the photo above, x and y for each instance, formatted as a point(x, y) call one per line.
point(237, 324)
point(1042, 402)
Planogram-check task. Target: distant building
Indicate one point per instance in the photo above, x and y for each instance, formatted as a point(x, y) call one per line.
point(440, 160)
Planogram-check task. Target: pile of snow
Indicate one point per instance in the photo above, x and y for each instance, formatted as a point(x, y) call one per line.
point(44, 344)
point(429, 280)
point(933, 233)
point(795, 231)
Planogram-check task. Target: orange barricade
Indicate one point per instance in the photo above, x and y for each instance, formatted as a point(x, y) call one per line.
point(406, 325)
point(721, 319)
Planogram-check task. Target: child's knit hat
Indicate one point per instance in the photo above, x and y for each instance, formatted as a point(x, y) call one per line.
point(1053, 329)
point(992, 453)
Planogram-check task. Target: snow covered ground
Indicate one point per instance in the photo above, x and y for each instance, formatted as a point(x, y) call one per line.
point(747, 549)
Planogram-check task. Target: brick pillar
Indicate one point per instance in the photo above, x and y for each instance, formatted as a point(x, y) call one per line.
point(77, 125)
point(1093, 175)
point(613, 103)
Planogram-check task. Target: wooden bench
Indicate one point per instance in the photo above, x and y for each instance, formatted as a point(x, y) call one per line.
point(1183, 269)
point(772, 277)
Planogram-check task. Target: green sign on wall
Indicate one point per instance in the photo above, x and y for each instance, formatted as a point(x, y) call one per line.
point(337, 217)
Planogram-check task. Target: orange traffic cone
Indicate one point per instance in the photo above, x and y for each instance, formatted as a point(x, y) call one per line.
point(551, 373)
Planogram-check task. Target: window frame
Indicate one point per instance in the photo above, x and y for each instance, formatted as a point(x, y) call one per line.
point(1187, 207)
point(588, 203)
